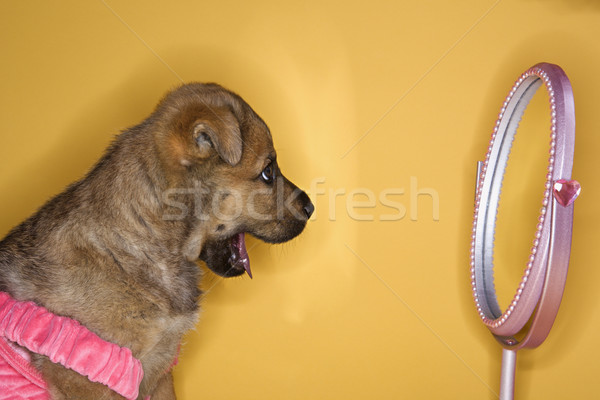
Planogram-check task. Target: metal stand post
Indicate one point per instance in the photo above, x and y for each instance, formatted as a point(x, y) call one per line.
point(507, 379)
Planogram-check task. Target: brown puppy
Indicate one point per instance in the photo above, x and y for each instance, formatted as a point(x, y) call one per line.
point(117, 250)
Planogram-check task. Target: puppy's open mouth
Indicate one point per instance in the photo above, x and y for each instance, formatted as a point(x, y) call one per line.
point(227, 257)
point(239, 254)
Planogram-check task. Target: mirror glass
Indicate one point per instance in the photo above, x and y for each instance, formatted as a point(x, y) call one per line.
point(521, 197)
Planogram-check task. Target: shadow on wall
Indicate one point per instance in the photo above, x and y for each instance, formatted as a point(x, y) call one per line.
point(575, 5)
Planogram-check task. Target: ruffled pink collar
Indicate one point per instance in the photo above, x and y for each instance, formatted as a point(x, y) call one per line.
point(64, 341)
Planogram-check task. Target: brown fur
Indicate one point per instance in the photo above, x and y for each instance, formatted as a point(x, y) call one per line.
point(118, 249)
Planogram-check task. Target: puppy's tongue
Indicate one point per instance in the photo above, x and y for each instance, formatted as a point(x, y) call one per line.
point(239, 244)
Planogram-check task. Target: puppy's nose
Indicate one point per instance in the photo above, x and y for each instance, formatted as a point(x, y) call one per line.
point(308, 208)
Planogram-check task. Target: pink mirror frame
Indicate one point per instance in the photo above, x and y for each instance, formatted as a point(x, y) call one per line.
point(543, 281)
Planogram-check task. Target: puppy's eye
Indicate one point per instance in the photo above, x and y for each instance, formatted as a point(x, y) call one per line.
point(267, 174)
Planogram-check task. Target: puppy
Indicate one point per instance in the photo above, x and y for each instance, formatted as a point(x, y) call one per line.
point(117, 250)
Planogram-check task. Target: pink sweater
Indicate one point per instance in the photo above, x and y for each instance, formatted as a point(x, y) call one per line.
point(64, 341)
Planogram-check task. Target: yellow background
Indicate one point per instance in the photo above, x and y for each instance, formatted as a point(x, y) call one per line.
point(359, 96)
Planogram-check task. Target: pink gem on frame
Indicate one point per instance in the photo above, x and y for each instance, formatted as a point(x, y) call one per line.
point(566, 191)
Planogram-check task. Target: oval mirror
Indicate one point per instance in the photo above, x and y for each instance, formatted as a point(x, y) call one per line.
point(521, 197)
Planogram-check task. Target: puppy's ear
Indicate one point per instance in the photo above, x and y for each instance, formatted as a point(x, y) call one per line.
point(220, 132)
point(202, 138)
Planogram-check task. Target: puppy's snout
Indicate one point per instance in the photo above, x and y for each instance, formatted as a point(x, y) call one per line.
point(308, 208)
point(302, 208)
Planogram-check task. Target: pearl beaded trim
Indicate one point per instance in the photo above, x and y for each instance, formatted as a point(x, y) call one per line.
point(489, 320)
